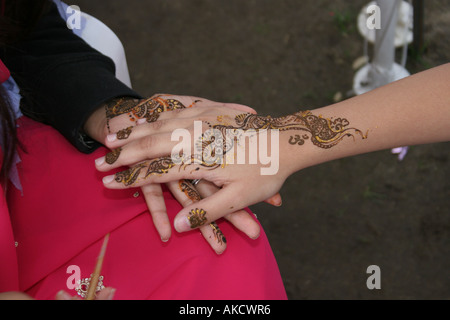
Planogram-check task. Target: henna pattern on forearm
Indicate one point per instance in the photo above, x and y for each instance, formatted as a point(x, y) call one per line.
point(324, 133)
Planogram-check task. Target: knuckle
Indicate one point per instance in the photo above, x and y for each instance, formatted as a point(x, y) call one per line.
point(158, 125)
point(147, 143)
point(176, 112)
point(153, 193)
point(157, 212)
point(186, 202)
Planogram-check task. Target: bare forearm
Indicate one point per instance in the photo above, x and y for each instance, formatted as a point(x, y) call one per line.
point(412, 111)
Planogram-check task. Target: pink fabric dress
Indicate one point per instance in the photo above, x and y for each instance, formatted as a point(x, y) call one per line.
point(63, 213)
point(9, 279)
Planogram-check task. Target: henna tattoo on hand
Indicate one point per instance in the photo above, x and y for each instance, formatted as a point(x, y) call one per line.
point(189, 190)
point(159, 166)
point(218, 233)
point(129, 176)
point(197, 217)
point(195, 196)
point(324, 133)
point(148, 109)
point(117, 107)
point(112, 156)
point(124, 133)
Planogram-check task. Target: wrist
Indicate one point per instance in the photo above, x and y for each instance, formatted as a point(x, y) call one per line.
point(296, 152)
point(99, 123)
point(95, 125)
point(309, 139)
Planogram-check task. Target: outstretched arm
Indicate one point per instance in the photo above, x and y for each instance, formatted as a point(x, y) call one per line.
point(412, 111)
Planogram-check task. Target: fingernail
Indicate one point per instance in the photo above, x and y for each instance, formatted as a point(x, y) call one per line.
point(108, 179)
point(62, 295)
point(164, 240)
point(141, 121)
point(275, 202)
point(111, 137)
point(99, 161)
point(182, 224)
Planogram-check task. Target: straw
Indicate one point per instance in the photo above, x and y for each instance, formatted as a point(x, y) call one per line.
point(98, 268)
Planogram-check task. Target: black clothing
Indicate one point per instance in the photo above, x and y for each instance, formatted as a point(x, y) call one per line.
point(62, 79)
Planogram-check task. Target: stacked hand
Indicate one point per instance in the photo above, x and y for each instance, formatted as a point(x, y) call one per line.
point(139, 134)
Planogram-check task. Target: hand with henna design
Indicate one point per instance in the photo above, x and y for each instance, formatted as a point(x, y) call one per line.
point(384, 118)
point(120, 117)
point(197, 214)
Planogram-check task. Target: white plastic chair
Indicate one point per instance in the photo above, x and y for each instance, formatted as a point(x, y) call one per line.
point(103, 39)
point(98, 36)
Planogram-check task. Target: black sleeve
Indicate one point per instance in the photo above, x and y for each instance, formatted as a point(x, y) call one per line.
point(62, 79)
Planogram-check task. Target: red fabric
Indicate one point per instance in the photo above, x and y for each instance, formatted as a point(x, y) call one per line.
point(9, 280)
point(65, 212)
point(8, 259)
point(4, 72)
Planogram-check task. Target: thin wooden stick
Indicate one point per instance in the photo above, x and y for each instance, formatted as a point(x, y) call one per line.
point(98, 268)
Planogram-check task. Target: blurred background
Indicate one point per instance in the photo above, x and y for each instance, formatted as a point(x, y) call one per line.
point(281, 56)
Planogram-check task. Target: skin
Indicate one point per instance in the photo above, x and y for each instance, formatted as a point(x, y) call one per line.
point(119, 118)
point(412, 111)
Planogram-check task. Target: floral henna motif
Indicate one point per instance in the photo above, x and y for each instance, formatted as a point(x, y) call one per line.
point(129, 176)
point(117, 107)
point(148, 109)
point(194, 196)
point(112, 156)
point(197, 217)
point(324, 133)
point(159, 166)
point(124, 133)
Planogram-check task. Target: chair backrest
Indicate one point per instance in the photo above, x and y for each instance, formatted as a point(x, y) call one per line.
point(103, 39)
